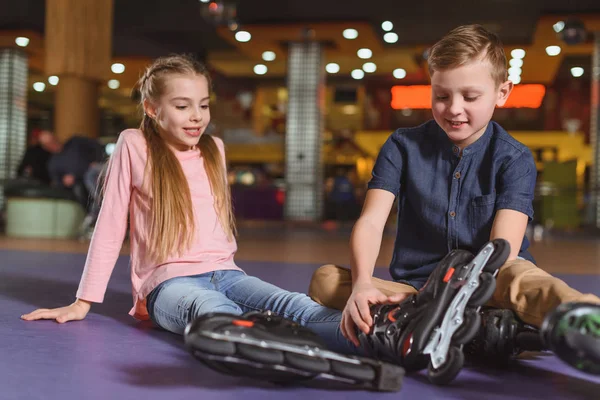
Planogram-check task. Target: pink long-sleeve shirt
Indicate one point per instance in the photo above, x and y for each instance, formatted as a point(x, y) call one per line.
point(124, 194)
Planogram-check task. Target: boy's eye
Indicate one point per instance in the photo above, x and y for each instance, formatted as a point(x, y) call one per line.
point(441, 97)
point(180, 107)
point(467, 98)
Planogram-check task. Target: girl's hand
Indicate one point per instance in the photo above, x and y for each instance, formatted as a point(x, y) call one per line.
point(74, 312)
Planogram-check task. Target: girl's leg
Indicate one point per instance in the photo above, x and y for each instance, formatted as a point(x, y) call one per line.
point(253, 294)
point(176, 302)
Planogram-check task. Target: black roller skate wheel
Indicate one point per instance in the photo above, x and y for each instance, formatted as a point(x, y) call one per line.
point(359, 372)
point(259, 354)
point(307, 363)
point(499, 256)
point(469, 327)
point(211, 346)
point(449, 370)
point(216, 365)
point(485, 290)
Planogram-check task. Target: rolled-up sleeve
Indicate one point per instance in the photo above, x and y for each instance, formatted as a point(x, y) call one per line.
point(387, 172)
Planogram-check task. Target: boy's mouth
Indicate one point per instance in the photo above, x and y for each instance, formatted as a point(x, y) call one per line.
point(457, 124)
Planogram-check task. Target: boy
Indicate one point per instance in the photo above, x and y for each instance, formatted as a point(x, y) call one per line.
point(461, 180)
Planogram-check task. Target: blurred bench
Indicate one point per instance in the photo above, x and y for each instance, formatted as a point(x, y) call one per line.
point(34, 210)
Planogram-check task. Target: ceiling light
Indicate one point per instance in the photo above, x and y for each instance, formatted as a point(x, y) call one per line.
point(350, 33)
point(357, 74)
point(114, 84)
point(243, 36)
point(387, 26)
point(369, 67)
point(268, 55)
point(516, 62)
point(517, 53)
point(364, 53)
point(117, 68)
point(577, 71)
point(260, 69)
point(22, 41)
point(390, 37)
point(553, 50)
point(39, 86)
point(559, 26)
point(53, 80)
point(515, 79)
point(332, 68)
point(399, 73)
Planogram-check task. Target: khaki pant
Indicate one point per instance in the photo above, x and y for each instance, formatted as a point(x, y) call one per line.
point(520, 286)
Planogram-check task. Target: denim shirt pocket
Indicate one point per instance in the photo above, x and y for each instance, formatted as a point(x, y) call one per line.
point(481, 215)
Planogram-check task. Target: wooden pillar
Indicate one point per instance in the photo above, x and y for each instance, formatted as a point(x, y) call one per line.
point(78, 50)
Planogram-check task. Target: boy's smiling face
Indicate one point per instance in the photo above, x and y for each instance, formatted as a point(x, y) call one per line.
point(463, 100)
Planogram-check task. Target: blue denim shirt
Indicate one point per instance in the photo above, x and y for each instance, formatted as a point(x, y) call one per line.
point(447, 201)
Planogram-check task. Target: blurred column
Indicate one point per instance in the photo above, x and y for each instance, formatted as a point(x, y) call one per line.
point(13, 113)
point(78, 50)
point(304, 163)
point(595, 130)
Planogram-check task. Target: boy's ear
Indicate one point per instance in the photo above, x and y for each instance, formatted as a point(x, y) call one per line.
point(503, 92)
point(149, 109)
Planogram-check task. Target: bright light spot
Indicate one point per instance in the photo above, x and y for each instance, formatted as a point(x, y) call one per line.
point(517, 53)
point(399, 73)
point(332, 68)
point(268, 55)
point(577, 71)
point(22, 41)
point(260, 69)
point(516, 62)
point(117, 68)
point(53, 80)
point(390, 37)
point(514, 71)
point(114, 84)
point(39, 86)
point(559, 26)
point(515, 78)
point(364, 53)
point(369, 67)
point(553, 50)
point(350, 33)
point(243, 36)
point(357, 74)
point(387, 26)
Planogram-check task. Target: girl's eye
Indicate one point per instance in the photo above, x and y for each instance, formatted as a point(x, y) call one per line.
point(180, 107)
point(204, 107)
point(441, 97)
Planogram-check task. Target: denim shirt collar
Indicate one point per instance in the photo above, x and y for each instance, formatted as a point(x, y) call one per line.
point(479, 144)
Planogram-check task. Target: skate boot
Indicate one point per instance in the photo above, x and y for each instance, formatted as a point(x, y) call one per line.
point(501, 338)
point(265, 346)
point(429, 328)
point(572, 332)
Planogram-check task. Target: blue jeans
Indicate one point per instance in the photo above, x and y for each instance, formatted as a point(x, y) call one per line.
point(176, 302)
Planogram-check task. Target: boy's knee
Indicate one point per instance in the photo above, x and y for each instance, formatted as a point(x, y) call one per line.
point(329, 285)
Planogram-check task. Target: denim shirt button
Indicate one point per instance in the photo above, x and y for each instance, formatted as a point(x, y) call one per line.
point(457, 175)
point(452, 214)
point(455, 150)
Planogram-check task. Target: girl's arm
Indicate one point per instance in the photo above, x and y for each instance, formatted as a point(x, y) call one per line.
point(106, 242)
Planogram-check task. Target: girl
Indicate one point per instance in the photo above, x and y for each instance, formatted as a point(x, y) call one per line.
point(170, 179)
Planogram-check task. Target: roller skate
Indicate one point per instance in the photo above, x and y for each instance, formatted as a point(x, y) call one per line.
point(501, 338)
point(572, 332)
point(265, 346)
point(429, 328)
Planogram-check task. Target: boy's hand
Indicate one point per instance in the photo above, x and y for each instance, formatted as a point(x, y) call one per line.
point(357, 311)
point(74, 312)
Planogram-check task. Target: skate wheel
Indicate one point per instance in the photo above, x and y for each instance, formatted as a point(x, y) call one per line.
point(306, 363)
point(449, 370)
point(469, 328)
point(211, 346)
point(360, 372)
point(487, 286)
point(253, 353)
point(499, 257)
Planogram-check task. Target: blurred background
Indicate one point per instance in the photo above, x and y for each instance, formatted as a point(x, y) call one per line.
point(305, 94)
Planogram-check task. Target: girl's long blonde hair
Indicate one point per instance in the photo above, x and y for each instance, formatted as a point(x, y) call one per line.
point(172, 223)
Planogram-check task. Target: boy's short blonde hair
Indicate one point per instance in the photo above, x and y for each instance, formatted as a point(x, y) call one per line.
point(465, 44)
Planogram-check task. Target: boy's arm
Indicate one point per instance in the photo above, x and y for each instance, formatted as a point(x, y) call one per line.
point(510, 225)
